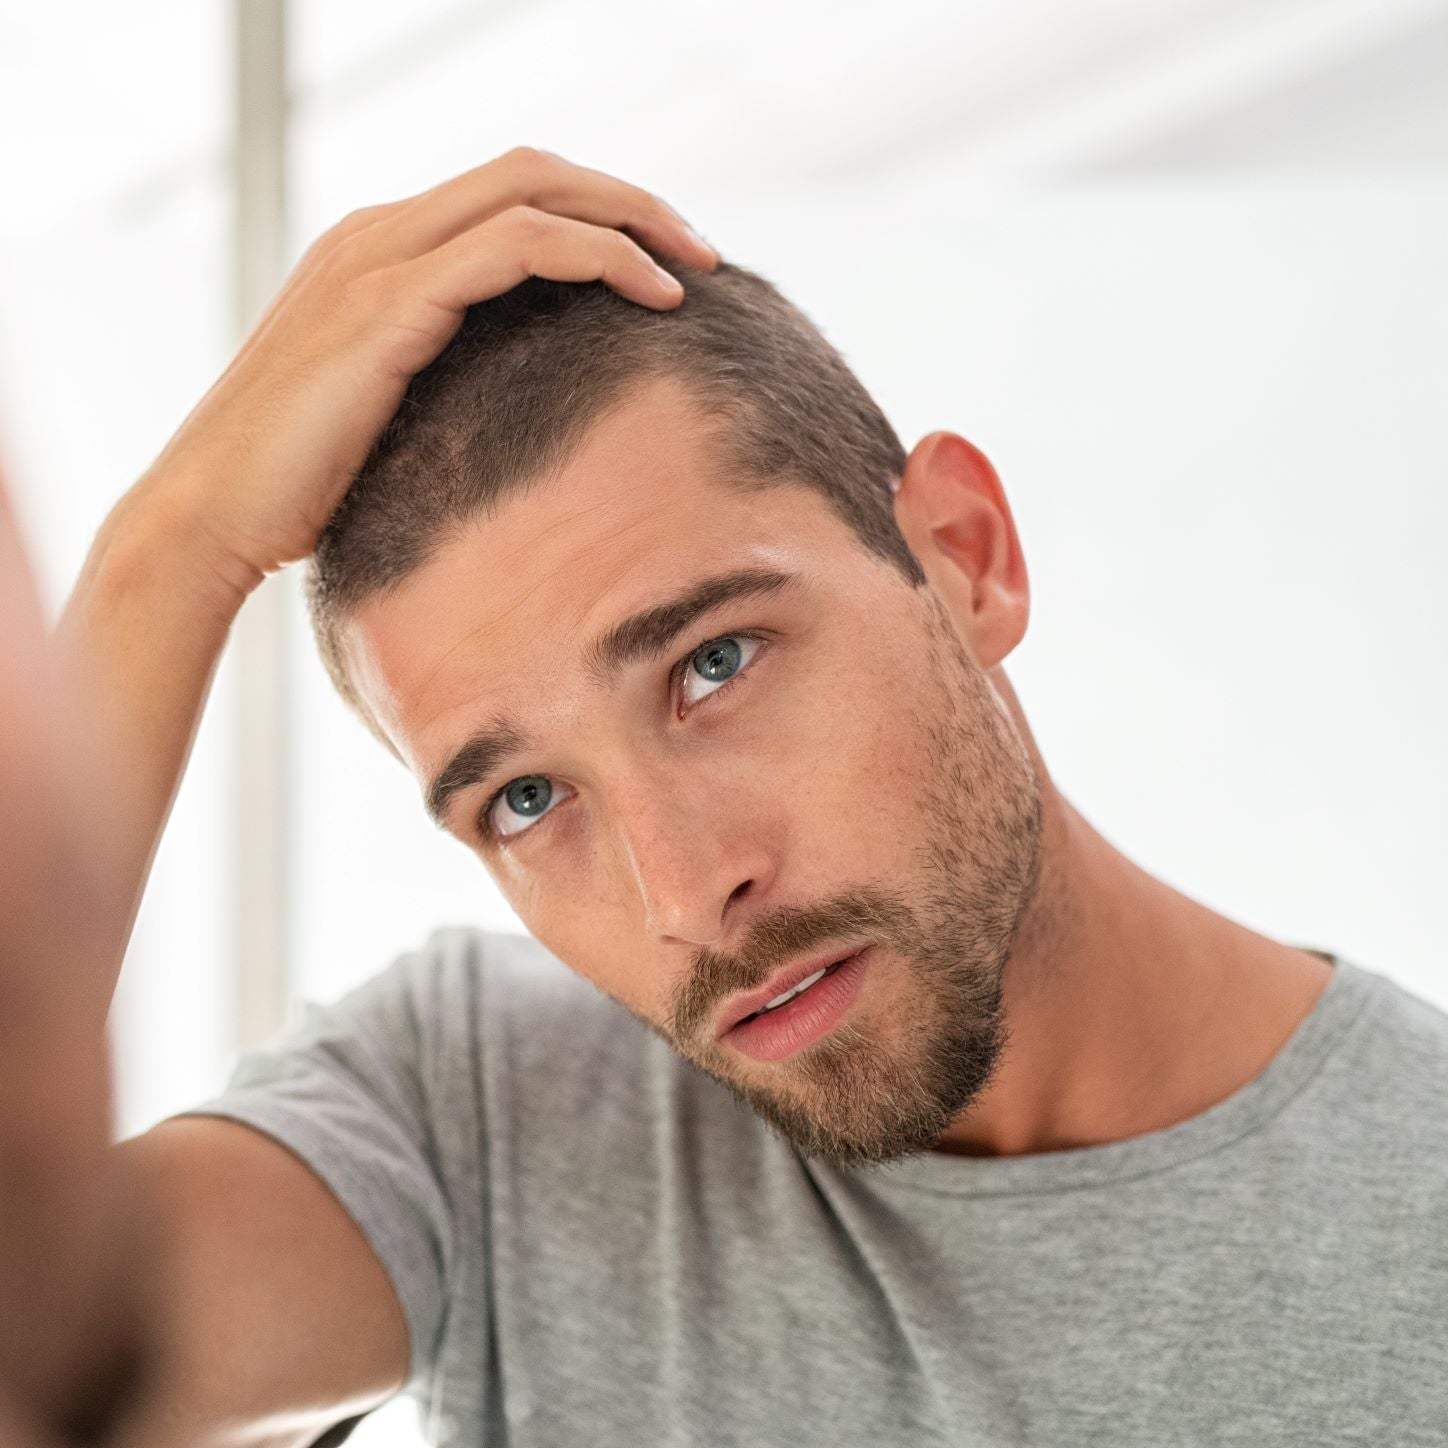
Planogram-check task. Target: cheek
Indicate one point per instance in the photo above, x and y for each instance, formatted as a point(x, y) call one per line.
point(862, 757)
point(576, 917)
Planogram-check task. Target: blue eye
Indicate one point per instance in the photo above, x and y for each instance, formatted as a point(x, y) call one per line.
point(718, 661)
point(527, 797)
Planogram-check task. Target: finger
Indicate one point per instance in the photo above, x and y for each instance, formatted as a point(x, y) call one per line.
point(433, 290)
point(383, 235)
point(527, 177)
point(347, 227)
point(312, 261)
point(525, 241)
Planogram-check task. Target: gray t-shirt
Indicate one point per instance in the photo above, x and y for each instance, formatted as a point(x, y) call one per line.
point(595, 1244)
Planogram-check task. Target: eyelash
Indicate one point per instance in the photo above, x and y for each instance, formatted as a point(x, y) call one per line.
point(676, 673)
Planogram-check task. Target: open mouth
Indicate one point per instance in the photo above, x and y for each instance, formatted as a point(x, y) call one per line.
point(798, 991)
point(809, 1011)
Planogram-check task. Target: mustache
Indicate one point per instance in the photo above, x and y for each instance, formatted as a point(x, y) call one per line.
point(774, 940)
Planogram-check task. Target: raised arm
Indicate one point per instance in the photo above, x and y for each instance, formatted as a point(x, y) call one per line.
point(247, 484)
point(277, 1318)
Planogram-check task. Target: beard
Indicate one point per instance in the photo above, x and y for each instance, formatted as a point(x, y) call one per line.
point(883, 1086)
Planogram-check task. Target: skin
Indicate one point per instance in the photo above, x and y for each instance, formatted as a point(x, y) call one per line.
point(76, 1250)
point(1032, 989)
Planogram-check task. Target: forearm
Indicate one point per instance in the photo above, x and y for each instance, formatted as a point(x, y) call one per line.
point(142, 633)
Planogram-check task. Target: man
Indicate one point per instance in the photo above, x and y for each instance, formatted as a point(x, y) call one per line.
point(708, 671)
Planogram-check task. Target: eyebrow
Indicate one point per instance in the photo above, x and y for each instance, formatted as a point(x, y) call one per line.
point(637, 639)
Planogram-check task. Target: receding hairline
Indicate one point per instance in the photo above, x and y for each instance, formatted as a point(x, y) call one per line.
point(720, 468)
point(640, 636)
point(786, 405)
point(704, 406)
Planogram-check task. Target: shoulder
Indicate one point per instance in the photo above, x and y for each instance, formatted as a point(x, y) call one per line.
point(466, 969)
point(1390, 1074)
point(507, 1001)
point(458, 971)
point(557, 1060)
point(1409, 1031)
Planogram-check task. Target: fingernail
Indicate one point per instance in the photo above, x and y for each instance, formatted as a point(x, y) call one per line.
point(670, 281)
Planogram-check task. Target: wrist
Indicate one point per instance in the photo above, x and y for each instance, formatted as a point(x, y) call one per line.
point(164, 527)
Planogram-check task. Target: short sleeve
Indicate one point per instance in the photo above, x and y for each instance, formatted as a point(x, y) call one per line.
point(343, 1088)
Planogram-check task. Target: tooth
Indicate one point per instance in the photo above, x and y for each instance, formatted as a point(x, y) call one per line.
point(779, 1000)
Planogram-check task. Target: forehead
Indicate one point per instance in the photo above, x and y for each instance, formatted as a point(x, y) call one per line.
point(496, 616)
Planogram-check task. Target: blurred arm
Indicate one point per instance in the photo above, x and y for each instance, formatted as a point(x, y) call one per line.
point(140, 637)
point(76, 1251)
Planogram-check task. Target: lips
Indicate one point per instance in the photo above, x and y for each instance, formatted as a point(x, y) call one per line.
point(780, 982)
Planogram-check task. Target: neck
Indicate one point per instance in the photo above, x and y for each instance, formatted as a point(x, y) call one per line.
point(1131, 1007)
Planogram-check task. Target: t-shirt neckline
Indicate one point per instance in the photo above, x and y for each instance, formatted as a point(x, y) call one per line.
point(1341, 1002)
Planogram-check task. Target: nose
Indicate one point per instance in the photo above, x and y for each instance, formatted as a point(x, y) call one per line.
point(694, 853)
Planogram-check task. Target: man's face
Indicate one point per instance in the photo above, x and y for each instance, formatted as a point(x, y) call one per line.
point(833, 769)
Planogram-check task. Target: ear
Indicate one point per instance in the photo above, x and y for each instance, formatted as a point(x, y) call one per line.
point(952, 510)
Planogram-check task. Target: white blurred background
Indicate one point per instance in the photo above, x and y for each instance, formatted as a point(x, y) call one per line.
point(1177, 266)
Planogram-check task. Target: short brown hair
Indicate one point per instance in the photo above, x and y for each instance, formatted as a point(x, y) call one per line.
point(512, 397)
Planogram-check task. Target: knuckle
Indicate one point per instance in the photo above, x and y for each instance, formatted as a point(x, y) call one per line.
point(528, 223)
point(371, 291)
point(337, 261)
point(629, 249)
point(525, 157)
point(354, 221)
point(334, 242)
point(532, 167)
